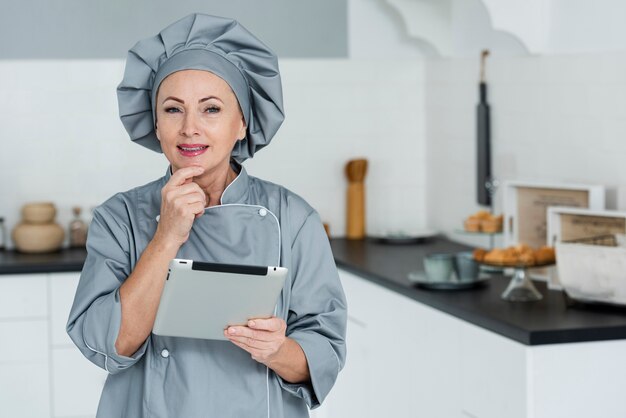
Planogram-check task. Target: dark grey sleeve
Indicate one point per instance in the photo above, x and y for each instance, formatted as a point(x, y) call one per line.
point(317, 312)
point(95, 318)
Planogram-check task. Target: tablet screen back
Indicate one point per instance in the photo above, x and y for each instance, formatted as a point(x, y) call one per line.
point(200, 300)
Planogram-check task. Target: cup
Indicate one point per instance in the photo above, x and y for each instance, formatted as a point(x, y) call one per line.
point(439, 267)
point(465, 267)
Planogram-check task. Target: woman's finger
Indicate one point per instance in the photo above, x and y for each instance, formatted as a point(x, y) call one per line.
point(253, 352)
point(246, 332)
point(197, 209)
point(190, 199)
point(256, 344)
point(173, 192)
point(272, 324)
point(181, 175)
point(189, 188)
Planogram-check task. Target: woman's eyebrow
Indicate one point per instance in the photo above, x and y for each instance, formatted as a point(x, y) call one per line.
point(209, 98)
point(183, 102)
point(173, 98)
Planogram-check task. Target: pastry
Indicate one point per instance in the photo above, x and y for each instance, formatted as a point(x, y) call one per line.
point(510, 256)
point(545, 255)
point(527, 259)
point(479, 254)
point(501, 256)
point(492, 225)
point(483, 221)
point(472, 225)
point(518, 255)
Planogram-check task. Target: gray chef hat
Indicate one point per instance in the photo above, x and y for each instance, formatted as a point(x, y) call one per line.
point(203, 42)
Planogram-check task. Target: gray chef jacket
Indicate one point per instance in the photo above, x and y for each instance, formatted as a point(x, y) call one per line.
point(257, 223)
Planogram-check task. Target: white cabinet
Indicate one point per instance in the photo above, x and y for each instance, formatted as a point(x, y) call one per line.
point(24, 354)
point(24, 341)
point(77, 383)
point(42, 373)
point(23, 296)
point(579, 380)
point(62, 290)
point(406, 359)
point(352, 394)
point(493, 374)
point(24, 390)
point(403, 358)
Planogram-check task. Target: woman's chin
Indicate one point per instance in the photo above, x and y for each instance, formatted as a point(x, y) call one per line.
point(207, 163)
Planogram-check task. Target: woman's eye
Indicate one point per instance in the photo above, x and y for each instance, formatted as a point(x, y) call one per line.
point(212, 109)
point(172, 110)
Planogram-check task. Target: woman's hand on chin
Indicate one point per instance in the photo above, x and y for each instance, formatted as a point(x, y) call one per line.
point(182, 201)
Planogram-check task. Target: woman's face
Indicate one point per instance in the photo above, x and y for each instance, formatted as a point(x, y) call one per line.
point(198, 120)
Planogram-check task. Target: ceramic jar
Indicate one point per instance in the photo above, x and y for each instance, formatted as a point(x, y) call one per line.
point(38, 233)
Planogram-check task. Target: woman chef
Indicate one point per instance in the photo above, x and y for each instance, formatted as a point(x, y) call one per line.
point(207, 94)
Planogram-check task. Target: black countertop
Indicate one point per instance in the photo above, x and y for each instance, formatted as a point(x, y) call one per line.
point(13, 262)
point(554, 319)
point(551, 320)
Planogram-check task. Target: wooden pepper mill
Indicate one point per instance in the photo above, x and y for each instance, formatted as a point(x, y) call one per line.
point(355, 221)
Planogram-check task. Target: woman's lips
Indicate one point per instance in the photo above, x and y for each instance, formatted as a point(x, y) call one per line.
point(191, 150)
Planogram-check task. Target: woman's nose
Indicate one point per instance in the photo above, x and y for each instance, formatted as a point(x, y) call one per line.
point(190, 125)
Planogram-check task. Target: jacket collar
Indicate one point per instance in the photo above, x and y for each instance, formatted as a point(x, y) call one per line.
point(237, 190)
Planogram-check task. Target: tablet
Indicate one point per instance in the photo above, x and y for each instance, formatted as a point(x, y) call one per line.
point(200, 299)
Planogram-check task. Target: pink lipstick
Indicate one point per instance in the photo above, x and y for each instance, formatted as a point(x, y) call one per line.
point(191, 150)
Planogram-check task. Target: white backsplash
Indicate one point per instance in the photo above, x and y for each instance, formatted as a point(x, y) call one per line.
point(62, 140)
point(554, 118)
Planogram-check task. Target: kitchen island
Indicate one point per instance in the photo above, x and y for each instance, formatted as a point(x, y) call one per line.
point(426, 353)
point(554, 319)
point(411, 352)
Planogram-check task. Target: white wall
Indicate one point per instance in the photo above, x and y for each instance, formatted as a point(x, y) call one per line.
point(554, 118)
point(345, 109)
point(61, 139)
point(376, 30)
point(63, 142)
point(512, 27)
point(454, 27)
point(562, 26)
point(587, 25)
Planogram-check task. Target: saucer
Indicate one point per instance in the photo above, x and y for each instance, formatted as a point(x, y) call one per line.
point(418, 278)
point(404, 238)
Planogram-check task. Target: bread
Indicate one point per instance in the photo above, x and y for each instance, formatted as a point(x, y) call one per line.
point(545, 255)
point(472, 225)
point(527, 259)
point(479, 254)
point(500, 256)
point(492, 225)
point(483, 221)
point(510, 256)
point(519, 255)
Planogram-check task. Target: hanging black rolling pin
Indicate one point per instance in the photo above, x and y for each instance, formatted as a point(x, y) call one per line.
point(483, 140)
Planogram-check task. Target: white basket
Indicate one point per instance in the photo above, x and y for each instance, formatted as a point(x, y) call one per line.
point(592, 273)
